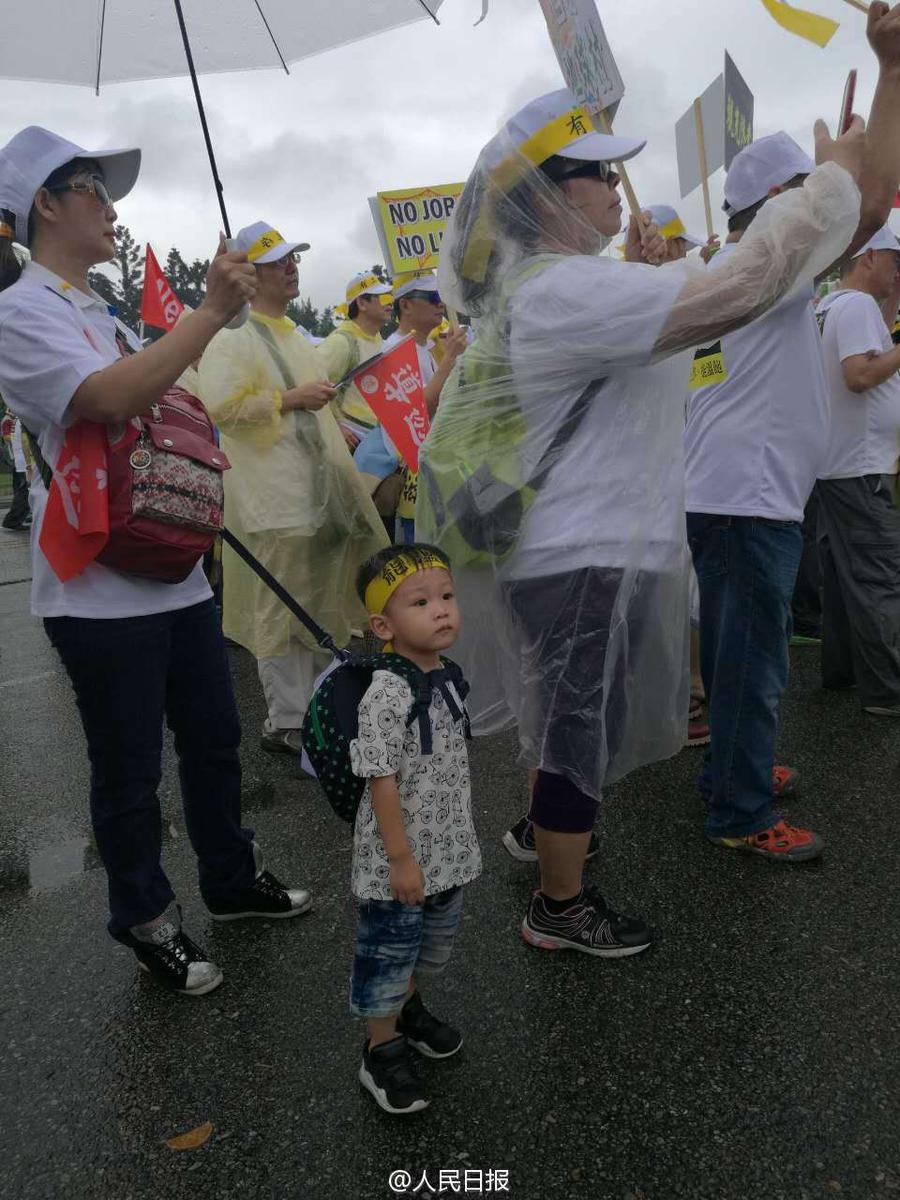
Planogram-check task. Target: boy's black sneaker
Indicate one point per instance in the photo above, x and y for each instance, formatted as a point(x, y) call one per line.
point(588, 924)
point(387, 1072)
point(519, 842)
point(173, 960)
point(425, 1032)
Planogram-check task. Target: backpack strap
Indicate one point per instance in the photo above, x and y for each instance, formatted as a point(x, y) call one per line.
point(423, 684)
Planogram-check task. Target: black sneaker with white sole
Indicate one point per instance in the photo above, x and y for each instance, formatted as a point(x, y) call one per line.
point(425, 1032)
point(387, 1072)
point(265, 897)
point(588, 925)
point(173, 960)
point(519, 842)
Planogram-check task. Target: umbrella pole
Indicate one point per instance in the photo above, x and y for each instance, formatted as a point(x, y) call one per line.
point(209, 147)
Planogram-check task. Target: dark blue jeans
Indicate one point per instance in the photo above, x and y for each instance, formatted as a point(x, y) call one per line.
point(746, 568)
point(129, 674)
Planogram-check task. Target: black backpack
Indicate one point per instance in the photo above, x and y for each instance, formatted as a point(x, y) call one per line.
point(332, 719)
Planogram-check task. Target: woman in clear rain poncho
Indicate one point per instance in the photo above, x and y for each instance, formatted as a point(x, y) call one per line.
point(553, 474)
point(293, 495)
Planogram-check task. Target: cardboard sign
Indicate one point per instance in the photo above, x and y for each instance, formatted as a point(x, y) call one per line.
point(393, 389)
point(738, 112)
point(727, 108)
point(712, 105)
point(411, 224)
point(584, 54)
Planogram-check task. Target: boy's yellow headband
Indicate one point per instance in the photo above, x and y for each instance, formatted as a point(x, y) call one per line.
point(396, 571)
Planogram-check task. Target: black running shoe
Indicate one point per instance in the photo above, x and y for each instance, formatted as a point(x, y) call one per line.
point(387, 1072)
point(173, 960)
point(425, 1032)
point(588, 924)
point(519, 842)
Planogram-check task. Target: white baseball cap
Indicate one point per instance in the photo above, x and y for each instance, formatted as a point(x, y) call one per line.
point(426, 282)
point(884, 239)
point(35, 153)
point(671, 225)
point(769, 162)
point(556, 124)
point(264, 244)
point(366, 284)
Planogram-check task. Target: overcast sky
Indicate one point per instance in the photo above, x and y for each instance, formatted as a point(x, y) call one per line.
point(414, 107)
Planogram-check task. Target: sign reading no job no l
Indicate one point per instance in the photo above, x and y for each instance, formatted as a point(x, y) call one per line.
point(411, 224)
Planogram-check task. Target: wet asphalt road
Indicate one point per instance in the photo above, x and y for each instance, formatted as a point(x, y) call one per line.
point(751, 1055)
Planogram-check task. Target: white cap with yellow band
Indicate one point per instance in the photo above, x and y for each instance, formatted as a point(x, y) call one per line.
point(366, 284)
point(670, 225)
point(396, 571)
point(263, 244)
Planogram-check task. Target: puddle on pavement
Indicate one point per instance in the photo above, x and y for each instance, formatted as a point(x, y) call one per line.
point(54, 864)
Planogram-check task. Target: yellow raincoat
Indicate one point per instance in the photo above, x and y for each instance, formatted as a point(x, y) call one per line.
point(292, 496)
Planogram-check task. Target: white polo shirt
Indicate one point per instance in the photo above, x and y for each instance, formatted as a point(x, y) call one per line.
point(45, 356)
point(865, 426)
point(754, 443)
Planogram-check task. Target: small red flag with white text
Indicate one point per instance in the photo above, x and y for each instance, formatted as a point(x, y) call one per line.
point(391, 385)
point(160, 307)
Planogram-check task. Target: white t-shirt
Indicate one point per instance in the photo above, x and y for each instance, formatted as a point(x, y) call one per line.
point(865, 426)
point(755, 443)
point(616, 496)
point(45, 355)
point(427, 365)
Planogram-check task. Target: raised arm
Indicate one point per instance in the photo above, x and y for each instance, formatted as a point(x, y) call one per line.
point(796, 235)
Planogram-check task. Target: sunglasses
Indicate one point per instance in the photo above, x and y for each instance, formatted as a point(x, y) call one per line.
point(589, 170)
point(94, 186)
point(431, 297)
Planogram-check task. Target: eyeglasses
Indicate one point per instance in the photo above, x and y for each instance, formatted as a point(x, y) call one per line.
point(284, 262)
point(95, 186)
point(431, 297)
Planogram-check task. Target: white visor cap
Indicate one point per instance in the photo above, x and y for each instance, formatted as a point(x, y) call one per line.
point(671, 225)
point(884, 239)
point(769, 162)
point(549, 110)
point(28, 160)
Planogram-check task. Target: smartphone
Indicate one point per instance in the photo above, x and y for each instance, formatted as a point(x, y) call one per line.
point(847, 103)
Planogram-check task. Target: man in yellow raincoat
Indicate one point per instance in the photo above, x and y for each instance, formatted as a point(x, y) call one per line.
point(293, 495)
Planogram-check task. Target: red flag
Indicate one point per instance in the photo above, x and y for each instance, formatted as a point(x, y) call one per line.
point(392, 387)
point(160, 307)
point(76, 520)
point(896, 203)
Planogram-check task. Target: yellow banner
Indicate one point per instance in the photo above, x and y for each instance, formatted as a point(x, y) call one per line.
point(413, 223)
point(819, 30)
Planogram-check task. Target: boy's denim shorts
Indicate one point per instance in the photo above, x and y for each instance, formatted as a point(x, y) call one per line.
point(394, 940)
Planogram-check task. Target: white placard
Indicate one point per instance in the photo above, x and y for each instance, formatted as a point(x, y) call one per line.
point(712, 104)
point(584, 54)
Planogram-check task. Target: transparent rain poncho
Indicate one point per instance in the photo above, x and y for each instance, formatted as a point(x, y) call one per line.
point(292, 496)
point(553, 473)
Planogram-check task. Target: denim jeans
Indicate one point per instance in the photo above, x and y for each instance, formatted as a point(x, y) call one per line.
point(395, 940)
point(746, 568)
point(128, 674)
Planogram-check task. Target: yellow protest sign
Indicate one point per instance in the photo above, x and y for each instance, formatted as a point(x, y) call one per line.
point(411, 224)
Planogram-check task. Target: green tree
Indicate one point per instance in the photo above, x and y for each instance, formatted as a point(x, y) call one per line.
point(188, 280)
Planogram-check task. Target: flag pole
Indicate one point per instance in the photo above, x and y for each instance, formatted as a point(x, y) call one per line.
point(858, 4)
point(704, 169)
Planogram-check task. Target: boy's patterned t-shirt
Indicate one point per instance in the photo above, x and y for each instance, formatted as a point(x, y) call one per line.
point(434, 791)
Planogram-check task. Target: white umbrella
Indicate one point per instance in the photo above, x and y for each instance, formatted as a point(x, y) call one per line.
point(93, 42)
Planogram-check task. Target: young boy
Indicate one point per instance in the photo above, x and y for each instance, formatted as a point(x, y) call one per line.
point(414, 843)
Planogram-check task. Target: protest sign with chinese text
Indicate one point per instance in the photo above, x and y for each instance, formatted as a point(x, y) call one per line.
point(727, 117)
point(160, 307)
point(391, 385)
point(738, 112)
point(584, 54)
point(411, 224)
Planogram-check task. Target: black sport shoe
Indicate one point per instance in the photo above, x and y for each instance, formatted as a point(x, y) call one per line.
point(588, 924)
point(387, 1072)
point(425, 1032)
point(519, 842)
point(265, 897)
point(173, 960)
